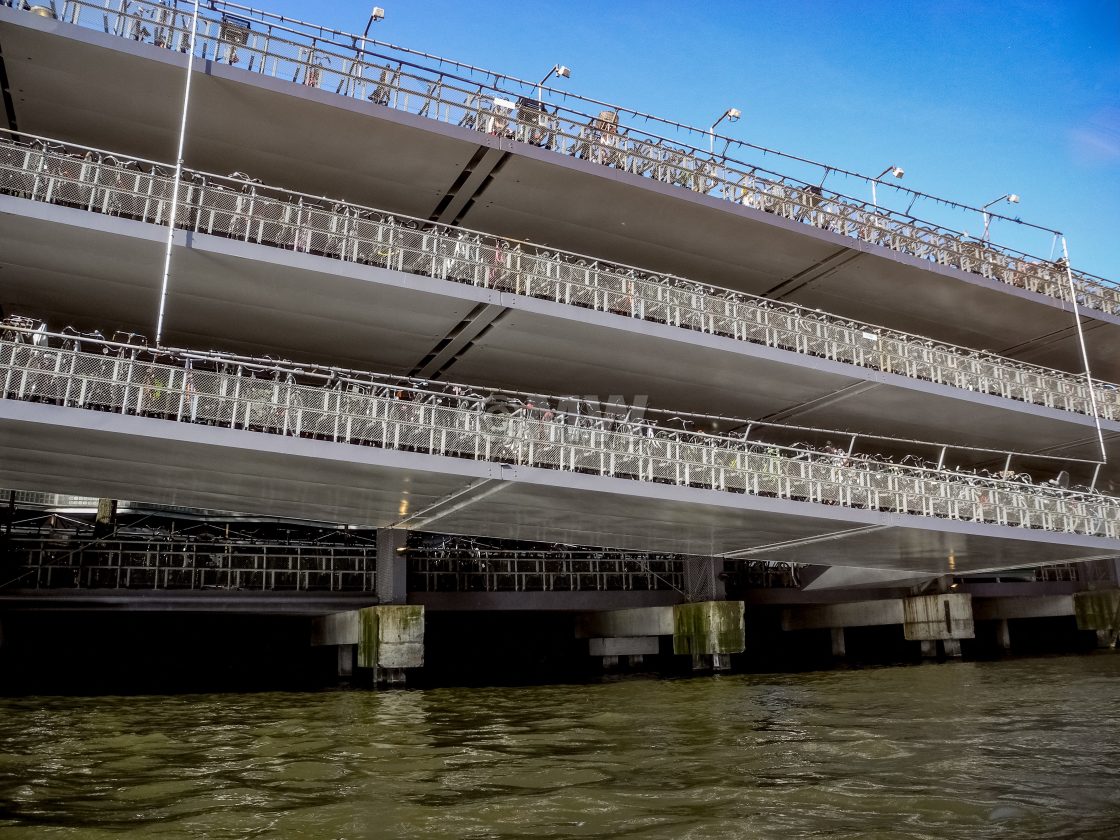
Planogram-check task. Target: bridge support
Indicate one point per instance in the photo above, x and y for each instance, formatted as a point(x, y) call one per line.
point(1099, 610)
point(632, 649)
point(388, 640)
point(707, 631)
point(1003, 635)
point(839, 642)
point(1003, 609)
point(392, 566)
point(939, 622)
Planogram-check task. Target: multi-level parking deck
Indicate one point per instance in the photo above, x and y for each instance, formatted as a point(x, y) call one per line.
point(219, 431)
point(262, 269)
point(329, 114)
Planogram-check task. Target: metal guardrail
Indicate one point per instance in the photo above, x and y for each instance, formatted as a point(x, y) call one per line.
point(322, 58)
point(59, 561)
point(172, 385)
point(37, 499)
point(252, 212)
point(549, 572)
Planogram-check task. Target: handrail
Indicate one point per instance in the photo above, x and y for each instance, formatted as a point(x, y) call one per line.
point(48, 561)
point(20, 329)
point(446, 424)
point(49, 171)
point(280, 50)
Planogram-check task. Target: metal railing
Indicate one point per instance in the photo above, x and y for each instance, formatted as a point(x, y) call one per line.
point(236, 208)
point(67, 560)
point(174, 385)
point(548, 571)
point(353, 66)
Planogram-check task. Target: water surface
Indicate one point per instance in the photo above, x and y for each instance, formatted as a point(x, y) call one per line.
point(1024, 749)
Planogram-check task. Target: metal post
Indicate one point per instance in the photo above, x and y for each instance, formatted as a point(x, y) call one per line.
point(178, 179)
point(1084, 352)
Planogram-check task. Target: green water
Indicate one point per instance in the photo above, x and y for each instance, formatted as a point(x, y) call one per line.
point(1023, 749)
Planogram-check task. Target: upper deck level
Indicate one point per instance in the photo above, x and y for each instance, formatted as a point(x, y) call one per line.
point(218, 430)
point(324, 112)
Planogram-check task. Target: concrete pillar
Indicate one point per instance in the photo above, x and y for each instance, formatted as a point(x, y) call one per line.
point(389, 639)
point(1003, 634)
point(1099, 610)
point(632, 648)
point(849, 614)
point(709, 631)
point(346, 656)
point(621, 624)
point(938, 617)
point(839, 643)
point(392, 566)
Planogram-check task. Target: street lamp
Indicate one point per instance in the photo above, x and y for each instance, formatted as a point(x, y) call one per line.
point(1010, 198)
point(376, 14)
point(896, 171)
point(731, 115)
point(558, 70)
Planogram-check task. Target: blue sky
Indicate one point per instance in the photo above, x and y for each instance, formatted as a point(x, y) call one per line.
point(973, 99)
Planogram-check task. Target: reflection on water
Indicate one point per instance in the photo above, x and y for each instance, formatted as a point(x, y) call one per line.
point(1010, 749)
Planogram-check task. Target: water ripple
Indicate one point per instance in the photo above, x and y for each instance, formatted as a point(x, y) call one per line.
point(1022, 748)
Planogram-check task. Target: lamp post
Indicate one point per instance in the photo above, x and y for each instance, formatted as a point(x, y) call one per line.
point(896, 171)
point(731, 115)
point(1010, 198)
point(376, 14)
point(558, 70)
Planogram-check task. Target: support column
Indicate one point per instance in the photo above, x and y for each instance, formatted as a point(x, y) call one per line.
point(633, 648)
point(709, 631)
point(836, 618)
point(387, 639)
point(392, 566)
point(945, 618)
point(1003, 635)
point(839, 643)
point(632, 633)
point(1099, 610)
point(347, 654)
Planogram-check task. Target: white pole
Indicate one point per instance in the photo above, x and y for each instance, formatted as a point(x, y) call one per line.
point(1084, 352)
point(178, 177)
